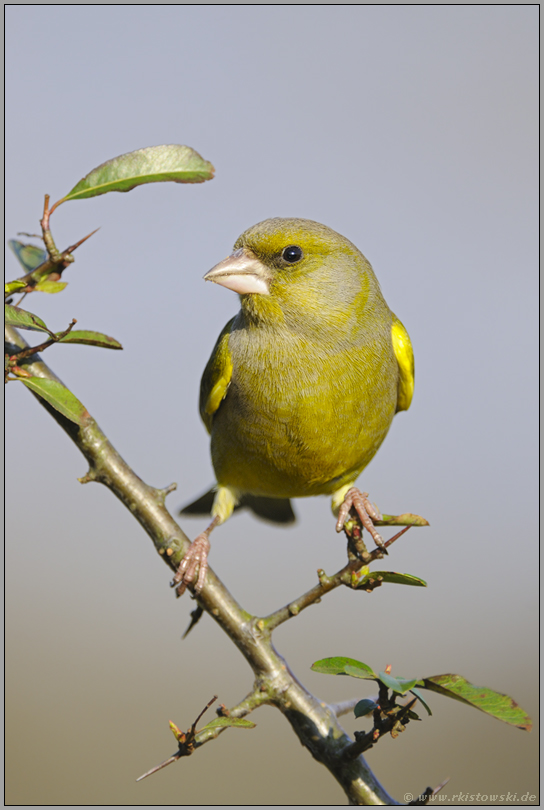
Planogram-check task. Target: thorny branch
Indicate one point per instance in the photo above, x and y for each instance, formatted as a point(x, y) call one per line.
point(314, 722)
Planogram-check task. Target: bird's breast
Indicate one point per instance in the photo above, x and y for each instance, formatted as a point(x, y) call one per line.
point(301, 418)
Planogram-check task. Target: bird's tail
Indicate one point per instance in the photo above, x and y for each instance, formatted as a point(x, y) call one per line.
point(275, 510)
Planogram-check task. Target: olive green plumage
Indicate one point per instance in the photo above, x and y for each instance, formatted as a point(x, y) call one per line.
point(303, 383)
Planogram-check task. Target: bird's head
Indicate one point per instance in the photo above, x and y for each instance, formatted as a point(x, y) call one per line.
point(296, 271)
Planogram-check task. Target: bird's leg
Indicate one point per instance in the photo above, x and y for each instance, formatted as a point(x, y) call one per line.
point(366, 511)
point(195, 557)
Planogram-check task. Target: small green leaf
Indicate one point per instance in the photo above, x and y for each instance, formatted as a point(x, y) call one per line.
point(177, 732)
point(407, 519)
point(90, 339)
point(360, 671)
point(29, 256)
point(425, 705)
point(59, 397)
point(400, 685)
point(154, 164)
point(13, 286)
point(486, 700)
point(365, 707)
point(22, 319)
point(339, 664)
point(51, 286)
point(226, 722)
point(393, 576)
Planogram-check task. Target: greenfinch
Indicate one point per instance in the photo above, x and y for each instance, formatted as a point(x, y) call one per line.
point(302, 384)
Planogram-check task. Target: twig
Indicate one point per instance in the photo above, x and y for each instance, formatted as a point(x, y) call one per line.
point(251, 702)
point(77, 244)
point(374, 555)
point(40, 348)
point(57, 261)
point(173, 758)
point(326, 584)
point(428, 793)
point(51, 248)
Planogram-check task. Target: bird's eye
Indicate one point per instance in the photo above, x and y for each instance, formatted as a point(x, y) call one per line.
point(292, 254)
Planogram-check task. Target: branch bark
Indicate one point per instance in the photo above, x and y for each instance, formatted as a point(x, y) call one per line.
point(314, 722)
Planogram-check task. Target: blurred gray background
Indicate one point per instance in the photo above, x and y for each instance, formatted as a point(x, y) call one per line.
point(409, 129)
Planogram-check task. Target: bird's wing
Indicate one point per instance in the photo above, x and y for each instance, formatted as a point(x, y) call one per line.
point(216, 377)
point(405, 359)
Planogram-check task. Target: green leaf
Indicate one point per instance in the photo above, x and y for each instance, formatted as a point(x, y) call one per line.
point(360, 671)
point(59, 397)
point(339, 665)
point(154, 164)
point(365, 707)
point(425, 705)
point(22, 319)
point(51, 286)
point(393, 576)
point(13, 286)
point(407, 519)
point(486, 700)
point(226, 722)
point(29, 256)
point(400, 685)
point(90, 339)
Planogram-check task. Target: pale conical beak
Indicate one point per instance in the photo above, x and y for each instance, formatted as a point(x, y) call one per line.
point(241, 272)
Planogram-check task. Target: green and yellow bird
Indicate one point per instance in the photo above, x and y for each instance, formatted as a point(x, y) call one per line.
point(303, 383)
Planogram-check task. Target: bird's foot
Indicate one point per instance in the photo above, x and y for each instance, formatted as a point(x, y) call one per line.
point(366, 511)
point(195, 558)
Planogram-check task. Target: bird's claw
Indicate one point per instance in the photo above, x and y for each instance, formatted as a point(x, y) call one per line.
point(366, 511)
point(195, 558)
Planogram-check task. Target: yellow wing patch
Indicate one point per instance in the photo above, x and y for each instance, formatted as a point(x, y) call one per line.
point(216, 378)
point(217, 394)
point(405, 359)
